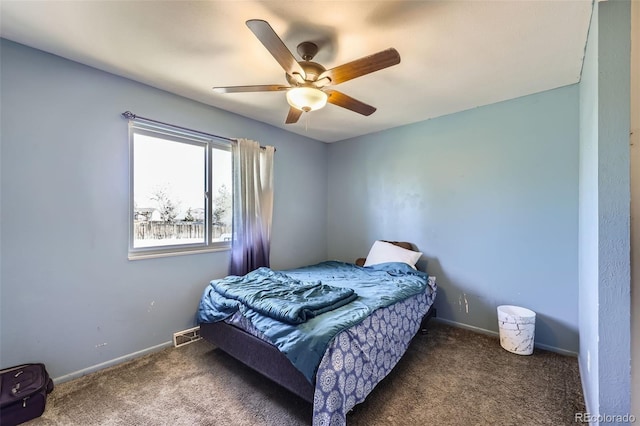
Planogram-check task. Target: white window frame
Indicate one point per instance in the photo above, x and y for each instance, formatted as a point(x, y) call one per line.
point(179, 136)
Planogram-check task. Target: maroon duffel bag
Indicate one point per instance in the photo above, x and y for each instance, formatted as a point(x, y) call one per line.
point(23, 393)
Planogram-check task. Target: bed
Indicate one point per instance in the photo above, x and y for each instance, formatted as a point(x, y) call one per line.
point(334, 356)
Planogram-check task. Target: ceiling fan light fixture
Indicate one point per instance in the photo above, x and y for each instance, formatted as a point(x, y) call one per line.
point(306, 98)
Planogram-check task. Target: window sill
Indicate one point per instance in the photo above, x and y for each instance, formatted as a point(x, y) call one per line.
point(154, 255)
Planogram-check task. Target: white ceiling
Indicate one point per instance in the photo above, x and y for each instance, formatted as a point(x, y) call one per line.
point(456, 55)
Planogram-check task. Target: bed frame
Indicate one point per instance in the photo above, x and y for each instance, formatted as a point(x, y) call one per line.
point(264, 357)
point(267, 359)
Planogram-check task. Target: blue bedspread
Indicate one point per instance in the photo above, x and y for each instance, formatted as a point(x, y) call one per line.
point(280, 297)
point(304, 344)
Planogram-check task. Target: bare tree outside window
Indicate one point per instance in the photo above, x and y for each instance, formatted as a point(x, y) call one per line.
point(168, 208)
point(221, 207)
point(188, 217)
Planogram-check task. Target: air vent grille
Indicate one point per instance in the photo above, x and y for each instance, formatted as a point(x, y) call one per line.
point(186, 336)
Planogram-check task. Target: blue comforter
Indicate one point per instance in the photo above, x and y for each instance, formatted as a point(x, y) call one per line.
point(280, 297)
point(304, 344)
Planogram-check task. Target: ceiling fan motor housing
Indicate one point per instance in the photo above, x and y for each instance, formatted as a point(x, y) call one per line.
point(311, 69)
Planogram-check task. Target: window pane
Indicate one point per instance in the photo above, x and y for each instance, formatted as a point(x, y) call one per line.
point(221, 214)
point(168, 192)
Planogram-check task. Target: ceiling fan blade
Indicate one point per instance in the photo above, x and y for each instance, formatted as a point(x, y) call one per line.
point(276, 47)
point(293, 116)
point(258, 88)
point(362, 66)
point(345, 101)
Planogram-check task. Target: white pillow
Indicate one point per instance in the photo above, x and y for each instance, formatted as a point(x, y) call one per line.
point(382, 252)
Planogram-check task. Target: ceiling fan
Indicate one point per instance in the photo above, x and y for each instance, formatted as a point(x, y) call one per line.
point(309, 81)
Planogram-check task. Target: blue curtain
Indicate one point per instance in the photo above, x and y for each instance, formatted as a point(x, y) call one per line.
point(252, 206)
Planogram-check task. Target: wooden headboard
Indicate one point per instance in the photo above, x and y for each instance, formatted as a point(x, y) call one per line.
point(405, 245)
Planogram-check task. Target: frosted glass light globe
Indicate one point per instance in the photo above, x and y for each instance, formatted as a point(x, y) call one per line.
point(306, 98)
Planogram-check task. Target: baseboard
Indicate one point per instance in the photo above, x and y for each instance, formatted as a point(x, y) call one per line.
point(111, 363)
point(587, 409)
point(496, 334)
point(466, 326)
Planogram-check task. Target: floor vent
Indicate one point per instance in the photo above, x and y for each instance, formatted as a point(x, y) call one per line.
point(187, 336)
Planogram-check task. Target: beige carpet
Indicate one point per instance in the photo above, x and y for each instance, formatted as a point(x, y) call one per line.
point(449, 376)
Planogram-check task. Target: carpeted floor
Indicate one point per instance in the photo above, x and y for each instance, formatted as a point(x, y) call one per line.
point(449, 376)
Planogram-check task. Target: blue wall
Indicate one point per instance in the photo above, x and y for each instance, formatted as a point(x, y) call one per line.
point(604, 229)
point(69, 296)
point(490, 196)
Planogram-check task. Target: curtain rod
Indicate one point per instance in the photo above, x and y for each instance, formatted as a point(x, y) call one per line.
point(131, 116)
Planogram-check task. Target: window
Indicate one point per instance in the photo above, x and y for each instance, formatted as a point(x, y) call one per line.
point(180, 185)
